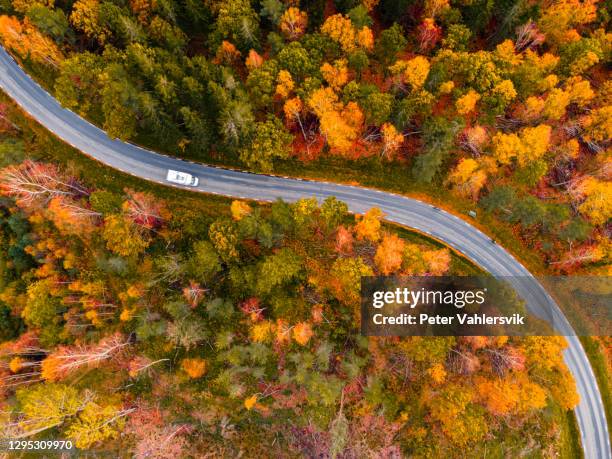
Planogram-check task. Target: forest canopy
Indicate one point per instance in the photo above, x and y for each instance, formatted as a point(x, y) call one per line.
point(140, 323)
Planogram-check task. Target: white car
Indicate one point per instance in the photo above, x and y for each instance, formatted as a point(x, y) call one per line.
point(182, 178)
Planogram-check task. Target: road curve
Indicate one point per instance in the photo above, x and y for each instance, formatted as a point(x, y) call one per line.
point(412, 213)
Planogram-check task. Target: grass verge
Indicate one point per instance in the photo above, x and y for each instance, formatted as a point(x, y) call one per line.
point(569, 437)
point(594, 349)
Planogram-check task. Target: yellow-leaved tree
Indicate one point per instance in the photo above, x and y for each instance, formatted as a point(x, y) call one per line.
point(85, 17)
point(341, 30)
point(467, 103)
point(22, 6)
point(122, 236)
point(336, 75)
point(513, 394)
point(284, 84)
point(413, 72)
point(560, 16)
point(468, 178)
point(368, 225)
point(596, 197)
point(530, 144)
point(340, 124)
point(555, 104)
point(579, 89)
point(535, 142)
point(391, 139)
point(96, 423)
point(598, 125)
point(293, 23)
point(240, 209)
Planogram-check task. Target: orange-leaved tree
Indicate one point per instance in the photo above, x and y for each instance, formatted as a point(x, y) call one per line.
point(340, 124)
point(293, 23)
point(27, 41)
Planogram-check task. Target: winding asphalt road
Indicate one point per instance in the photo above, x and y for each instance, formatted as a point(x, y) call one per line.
point(423, 217)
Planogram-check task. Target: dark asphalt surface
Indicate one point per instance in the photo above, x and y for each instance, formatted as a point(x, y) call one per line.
point(412, 213)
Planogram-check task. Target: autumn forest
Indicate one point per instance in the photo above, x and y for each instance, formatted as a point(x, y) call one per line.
point(139, 321)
